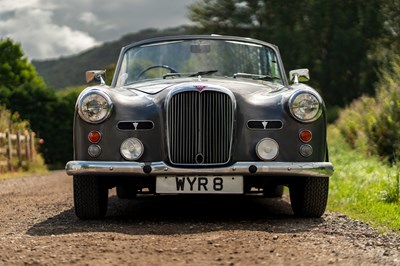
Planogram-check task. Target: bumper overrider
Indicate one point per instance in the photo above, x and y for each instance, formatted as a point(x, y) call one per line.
point(316, 169)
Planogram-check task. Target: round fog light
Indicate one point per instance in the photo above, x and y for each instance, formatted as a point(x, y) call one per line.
point(306, 150)
point(267, 149)
point(131, 149)
point(94, 150)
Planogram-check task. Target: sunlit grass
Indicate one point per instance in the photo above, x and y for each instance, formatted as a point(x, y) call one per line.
point(35, 167)
point(363, 187)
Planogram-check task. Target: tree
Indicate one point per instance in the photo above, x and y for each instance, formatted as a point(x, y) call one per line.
point(388, 47)
point(15, 69)
point(23, 91)
point(333, 38)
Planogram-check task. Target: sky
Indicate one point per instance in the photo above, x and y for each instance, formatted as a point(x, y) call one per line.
point(49, 29)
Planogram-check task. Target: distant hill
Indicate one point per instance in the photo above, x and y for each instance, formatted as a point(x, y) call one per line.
point(70, 71)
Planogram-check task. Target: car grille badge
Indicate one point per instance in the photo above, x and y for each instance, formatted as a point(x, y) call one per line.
point(200, 88)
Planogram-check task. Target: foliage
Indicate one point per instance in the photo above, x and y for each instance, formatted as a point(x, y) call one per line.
point(355, 122)
point(11, 122)
point(334, 39)
point(362, 186)
point(371, 125)
point(49, 114)
point(66, 100)
point(37, 165)
point(389, 45)
point(15, 69)
point(385, 132)
point(391, 193)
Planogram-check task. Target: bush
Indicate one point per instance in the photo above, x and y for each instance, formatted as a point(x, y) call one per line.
point(371, 125)
point(386, 130)
point(355, 121)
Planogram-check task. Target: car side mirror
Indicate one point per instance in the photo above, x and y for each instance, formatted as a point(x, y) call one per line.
point(299, 75)
point(95, 75)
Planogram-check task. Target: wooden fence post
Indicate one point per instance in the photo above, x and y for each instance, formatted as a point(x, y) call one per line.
point(19, 152)
point(32, 144)
point(27, 146)
point(9, 151)
point(19, 147)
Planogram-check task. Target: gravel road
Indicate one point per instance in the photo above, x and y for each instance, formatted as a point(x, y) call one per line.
point(39, 227)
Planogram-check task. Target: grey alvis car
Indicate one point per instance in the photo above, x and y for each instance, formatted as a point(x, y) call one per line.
point(200, 115)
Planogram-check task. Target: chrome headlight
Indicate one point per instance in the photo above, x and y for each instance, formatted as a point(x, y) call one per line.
point(267, 149)
point(131, 149)
point(305, 106)
point(94, 106)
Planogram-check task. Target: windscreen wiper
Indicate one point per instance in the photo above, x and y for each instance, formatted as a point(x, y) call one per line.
point(255, 76)
point(203, 73)
point(195, 74)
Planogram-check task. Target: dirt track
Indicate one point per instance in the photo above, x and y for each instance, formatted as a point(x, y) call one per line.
point(39, 227)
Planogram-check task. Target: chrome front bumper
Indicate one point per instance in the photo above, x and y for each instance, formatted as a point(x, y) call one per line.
point(111, 168)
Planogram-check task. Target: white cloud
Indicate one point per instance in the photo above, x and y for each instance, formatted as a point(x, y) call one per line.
point(49, 28)
point(12, 5)
point(90, 18)
point(40, 37)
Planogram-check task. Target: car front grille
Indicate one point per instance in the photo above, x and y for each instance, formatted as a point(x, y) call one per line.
point(200, 127)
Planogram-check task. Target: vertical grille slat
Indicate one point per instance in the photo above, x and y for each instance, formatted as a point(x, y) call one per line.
point(200, 126)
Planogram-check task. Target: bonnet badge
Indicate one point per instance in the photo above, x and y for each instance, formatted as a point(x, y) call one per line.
point(200, 88)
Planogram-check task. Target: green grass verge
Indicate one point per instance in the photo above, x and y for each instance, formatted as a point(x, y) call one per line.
point(35, 167)
point(363, 187)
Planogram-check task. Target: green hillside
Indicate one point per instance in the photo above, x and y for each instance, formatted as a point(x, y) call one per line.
point(69, 71)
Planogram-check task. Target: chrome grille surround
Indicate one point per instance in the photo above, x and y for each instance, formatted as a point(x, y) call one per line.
point(200, 123)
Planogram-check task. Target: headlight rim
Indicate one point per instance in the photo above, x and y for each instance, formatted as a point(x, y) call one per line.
point(293, 98)
point(87, 93)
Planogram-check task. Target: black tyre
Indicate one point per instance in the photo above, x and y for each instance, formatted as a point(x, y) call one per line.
point(126, 192)
point(90, 197)
point(309, 196)
point(273, 191)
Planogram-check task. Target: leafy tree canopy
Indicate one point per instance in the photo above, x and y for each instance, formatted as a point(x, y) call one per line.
point(336, 39)
point(15, 69)
point(22, 91)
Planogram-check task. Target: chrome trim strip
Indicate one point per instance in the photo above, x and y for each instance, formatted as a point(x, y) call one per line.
point(265, 120)
point(318, 169)
point(135, 121)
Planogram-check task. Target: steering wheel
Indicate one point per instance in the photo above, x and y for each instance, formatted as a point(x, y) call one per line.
point(155, 66)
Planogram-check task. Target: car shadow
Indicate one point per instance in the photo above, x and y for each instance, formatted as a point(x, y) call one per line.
point(169, 215)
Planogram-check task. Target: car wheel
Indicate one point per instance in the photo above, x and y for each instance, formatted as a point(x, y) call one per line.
point(309, 196)
point(90, 197)
point(126, 192)
point(273, 191)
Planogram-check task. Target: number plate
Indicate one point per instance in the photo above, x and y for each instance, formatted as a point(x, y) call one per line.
point(199, 184)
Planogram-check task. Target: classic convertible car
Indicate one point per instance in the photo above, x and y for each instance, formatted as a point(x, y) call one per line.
point(200, 115)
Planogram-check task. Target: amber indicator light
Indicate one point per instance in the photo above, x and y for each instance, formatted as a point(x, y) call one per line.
point(94, 136)
point(305, 135)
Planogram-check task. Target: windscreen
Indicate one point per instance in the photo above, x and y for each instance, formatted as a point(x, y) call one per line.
point(187, 58)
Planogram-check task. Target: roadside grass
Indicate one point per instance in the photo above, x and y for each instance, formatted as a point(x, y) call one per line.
point(36, 167)
point(363, 187)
